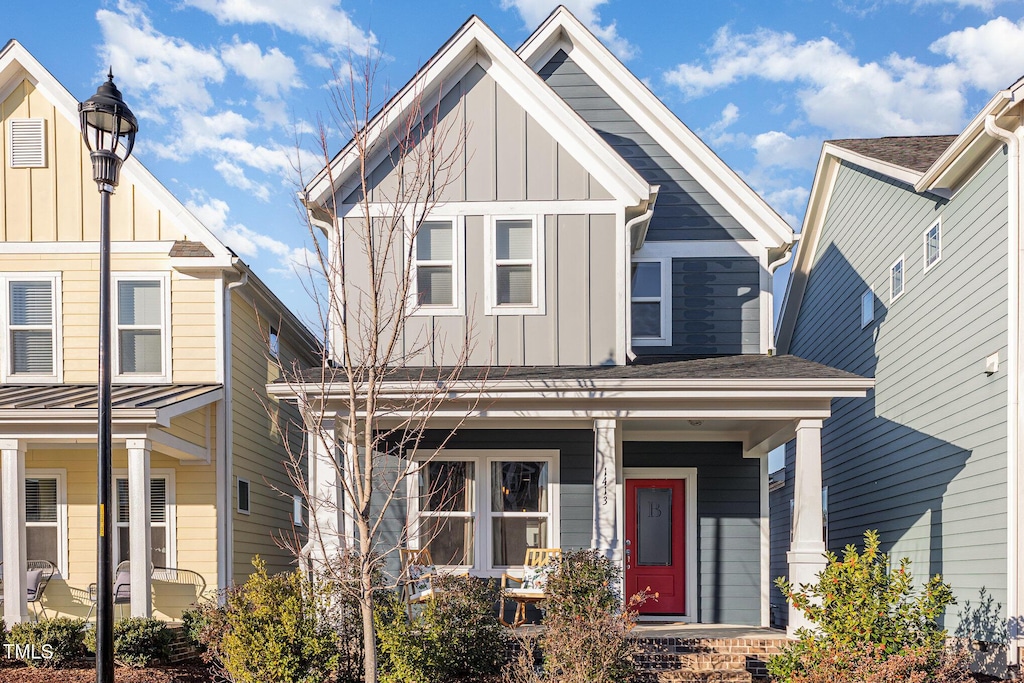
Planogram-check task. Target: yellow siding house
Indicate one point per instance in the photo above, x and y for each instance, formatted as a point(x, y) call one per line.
point(196, 338)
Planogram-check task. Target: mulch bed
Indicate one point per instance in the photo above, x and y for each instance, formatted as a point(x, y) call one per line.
point(186, 672)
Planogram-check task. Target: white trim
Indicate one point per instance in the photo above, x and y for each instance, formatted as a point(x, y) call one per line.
point(482, 515)
point(924, 239)
point(902, 263)
point(885, 168)
point(689, 474)
point(664, 299)
point(61, 475)
point(562, 29)
point(537, 264)
point(161, 247)
point(702, 249)
point(457, 263)
point(34, 127)
point(867, 301)
point(766, 543)
point(7, 373)
point(559, 207)
point(164, 279)
point(170, 508)
point(238, 496)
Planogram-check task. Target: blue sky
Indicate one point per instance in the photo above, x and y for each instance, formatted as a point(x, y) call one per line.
point(224, 88)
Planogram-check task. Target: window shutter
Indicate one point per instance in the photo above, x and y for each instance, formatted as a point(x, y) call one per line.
point(158, 501)
point(28, 143)
point(40, 500)
point(122, 501)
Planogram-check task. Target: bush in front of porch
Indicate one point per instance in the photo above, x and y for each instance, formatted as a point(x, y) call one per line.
point(871, 624)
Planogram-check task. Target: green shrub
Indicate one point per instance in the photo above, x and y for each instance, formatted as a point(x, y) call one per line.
point(454, 636)
point(52, 643)
point(586, 637)
point(870, 663)
point(271, 628)
point(856, 601)
point(138, 642)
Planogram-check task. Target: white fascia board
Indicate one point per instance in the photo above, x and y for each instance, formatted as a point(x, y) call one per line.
point(810, 232)
point(906, 175)
point(165, 415)
point(15, 58)
point(562, 29)
point(970, 145)
point(476, 41)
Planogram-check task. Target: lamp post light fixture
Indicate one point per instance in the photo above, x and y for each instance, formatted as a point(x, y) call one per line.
point(109, 128)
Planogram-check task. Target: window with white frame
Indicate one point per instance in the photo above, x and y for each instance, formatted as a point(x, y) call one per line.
point(897, 279)
point(932, 245)
point(159, 520)
point(867, 308)
point(141, 319)
point(516, 264)
point(274, 342)
point(651, 302)
point(32, 327)
point(485, 511)
point(434, 265)
point(44, 518)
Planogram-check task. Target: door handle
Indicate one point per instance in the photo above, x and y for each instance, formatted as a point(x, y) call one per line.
point(628, 552)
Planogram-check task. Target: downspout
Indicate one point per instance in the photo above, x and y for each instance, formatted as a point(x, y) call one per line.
point(772, 267)
point(630, 224)
point(227, 429)
point(1013, 364)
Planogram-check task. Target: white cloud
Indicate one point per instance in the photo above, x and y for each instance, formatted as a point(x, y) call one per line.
point(898, 96)
point(174, 72)
point(534, 12)
point(717, 133)
point(234, 175)
point(272, 73)
point(776, 148)
point(322, 21)
point(213, 213)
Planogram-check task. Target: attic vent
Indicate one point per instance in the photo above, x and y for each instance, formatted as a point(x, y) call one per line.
point(28, 143)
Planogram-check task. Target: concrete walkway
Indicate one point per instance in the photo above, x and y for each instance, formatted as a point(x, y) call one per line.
point(655, 629)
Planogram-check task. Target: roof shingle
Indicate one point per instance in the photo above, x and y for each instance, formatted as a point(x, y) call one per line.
point(916, 153)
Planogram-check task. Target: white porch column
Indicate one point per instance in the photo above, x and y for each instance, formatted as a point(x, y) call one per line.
point(12, 455)
point(607, 446)
point(139, 529)
point(807, 553)
point(327, 518)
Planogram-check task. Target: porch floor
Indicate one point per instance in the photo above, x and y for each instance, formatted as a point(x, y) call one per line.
point(674, 629)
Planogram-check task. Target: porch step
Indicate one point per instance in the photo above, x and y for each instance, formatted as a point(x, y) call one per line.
point(700, 660)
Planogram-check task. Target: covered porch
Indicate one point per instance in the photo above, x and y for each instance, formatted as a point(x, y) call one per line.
point(164, 458)
point(568, 457)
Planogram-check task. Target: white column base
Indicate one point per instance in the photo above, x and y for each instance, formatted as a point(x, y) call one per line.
point(804, 567)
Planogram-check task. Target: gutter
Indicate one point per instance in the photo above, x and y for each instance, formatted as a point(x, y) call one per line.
point(225, 461)
point(1013, 381)
point(633, 241)
point(786, 257)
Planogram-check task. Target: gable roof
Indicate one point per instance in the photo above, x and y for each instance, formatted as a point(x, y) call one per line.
point(934, 164)
point(18, 64)
point(563, 31)
point(475, 43)
point(916, 153)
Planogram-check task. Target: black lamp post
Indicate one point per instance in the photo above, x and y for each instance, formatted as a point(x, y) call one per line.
point(109, 128)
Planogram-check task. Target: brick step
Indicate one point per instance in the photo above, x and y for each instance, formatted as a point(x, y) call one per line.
point(754, 648)
point(705, 677)
point(704, 662)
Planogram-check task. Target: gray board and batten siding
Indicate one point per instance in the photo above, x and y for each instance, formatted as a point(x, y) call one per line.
point(728, 507)
point(505, 154)
point(923, 458)
point(684, 210)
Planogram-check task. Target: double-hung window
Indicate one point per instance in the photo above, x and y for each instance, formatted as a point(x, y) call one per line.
point(515, 281)
point(436, 267)
point(33, 322)
point(44, 510)
point(650, 302)
point(159, 520)
point(483, 509)
point(141, 320)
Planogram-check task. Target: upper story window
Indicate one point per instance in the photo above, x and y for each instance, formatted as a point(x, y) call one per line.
point(897, 279)
point(33, 322)
point(932, 245)
point(274, 343)
point(867, 308)
point(651, 302)
point(141, 315)
point(515, 280)
point(437, 268)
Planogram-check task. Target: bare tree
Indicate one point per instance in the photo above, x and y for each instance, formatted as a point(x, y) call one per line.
point(367, 433)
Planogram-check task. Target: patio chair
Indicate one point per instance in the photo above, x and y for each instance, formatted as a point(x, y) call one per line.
point(37, 574)
point(122, 589)
point(418, 574)
point(532, 588)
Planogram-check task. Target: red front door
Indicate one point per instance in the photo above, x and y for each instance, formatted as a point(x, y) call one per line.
point(655, 543)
